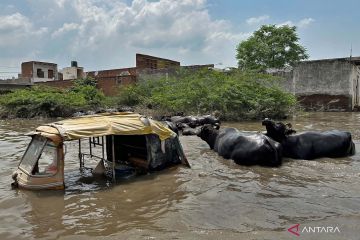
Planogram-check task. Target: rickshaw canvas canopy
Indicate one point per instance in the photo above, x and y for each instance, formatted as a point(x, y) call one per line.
point(120, 123)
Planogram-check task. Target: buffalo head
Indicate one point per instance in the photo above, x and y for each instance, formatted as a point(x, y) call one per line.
point(208, 133)
point(277, 131)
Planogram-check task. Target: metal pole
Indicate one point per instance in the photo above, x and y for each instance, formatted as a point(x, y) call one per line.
point(90, 146)
point(80, 153)
point(113, 158)
point(102, 144)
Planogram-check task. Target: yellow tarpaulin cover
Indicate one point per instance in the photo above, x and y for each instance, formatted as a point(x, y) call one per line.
point(124, 123)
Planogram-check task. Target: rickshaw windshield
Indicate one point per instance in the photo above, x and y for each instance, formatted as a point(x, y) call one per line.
point(32, 153)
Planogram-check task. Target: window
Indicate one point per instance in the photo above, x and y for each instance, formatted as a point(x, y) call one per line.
point(40, 73)
point(47, 164)
point(40, 158)
point(32, 154)
point(50, 73)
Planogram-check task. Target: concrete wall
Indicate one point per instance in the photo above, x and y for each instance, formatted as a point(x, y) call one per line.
point(324, 85)
point(322, 77)
point(72, 73)
point(16, 81)
point(285, 80)
point(328, 85)
point(355, 85)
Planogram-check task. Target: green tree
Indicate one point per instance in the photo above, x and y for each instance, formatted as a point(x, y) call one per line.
point(270, 47)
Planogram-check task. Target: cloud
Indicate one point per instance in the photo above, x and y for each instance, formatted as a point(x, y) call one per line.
point(184, 27)
point(303, 23)
point(67, 27)
point(113, 31)
point(14, 22)
point(257, 20)
point(16, 28)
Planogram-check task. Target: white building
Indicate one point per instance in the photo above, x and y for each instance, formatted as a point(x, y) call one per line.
point(36, 71)
point(73, 72)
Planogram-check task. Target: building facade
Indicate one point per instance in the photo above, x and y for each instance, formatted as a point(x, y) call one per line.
point(327, 84)
point(73, 72)
point(108, 81)
point(35, 71)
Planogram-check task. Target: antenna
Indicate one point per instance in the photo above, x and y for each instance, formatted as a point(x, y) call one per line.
point(350, 51)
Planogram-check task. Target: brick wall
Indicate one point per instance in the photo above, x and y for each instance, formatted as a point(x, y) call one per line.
point(108, 85)
point(26, 69)
point(112, 73)
point(64, 84)
point(150, 62)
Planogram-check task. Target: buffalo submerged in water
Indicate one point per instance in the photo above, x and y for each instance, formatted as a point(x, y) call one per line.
point(244, 148)
point(186, 123)
point(310, 145)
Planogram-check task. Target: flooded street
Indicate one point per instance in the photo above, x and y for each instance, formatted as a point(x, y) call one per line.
point(215, 199)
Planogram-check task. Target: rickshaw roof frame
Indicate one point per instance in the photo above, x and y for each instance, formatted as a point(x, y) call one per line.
point(104, 124)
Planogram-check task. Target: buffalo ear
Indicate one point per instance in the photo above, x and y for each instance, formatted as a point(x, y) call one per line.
point(289, 125)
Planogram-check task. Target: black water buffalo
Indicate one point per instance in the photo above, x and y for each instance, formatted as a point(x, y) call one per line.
point(190, 131)
point(183, 123)
point(188, 120)
point(310, 145)
point(172, 127)
point(244, 148)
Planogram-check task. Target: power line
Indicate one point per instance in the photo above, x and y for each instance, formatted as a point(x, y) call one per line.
point(8, 67)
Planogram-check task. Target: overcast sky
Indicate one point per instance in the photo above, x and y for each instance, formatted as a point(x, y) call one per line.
point(104, 34)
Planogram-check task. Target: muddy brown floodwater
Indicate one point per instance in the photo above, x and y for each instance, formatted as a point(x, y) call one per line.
point(215, 199)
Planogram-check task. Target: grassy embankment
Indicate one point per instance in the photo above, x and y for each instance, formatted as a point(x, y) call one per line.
point(42, 101)
point(235, 95)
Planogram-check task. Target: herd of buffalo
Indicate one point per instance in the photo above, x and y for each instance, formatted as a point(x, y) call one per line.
point(264, 149)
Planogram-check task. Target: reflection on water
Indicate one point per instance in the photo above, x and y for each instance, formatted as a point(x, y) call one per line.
point(216, 199)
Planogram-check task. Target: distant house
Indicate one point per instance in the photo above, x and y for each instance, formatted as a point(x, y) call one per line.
point(35, 71)
point(108, 81)
point(326, 84)
point(73, 72)
point(146, 67)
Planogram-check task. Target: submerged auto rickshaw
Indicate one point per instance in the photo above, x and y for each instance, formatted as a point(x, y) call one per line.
point(127, 140)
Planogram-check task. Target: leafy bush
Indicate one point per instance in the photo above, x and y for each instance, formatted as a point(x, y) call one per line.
point(237, 95)
point(52, 102)
point(86, 87)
